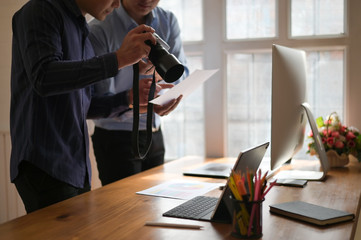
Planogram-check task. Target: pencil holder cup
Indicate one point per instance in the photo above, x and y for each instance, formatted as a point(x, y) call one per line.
point(247, 219)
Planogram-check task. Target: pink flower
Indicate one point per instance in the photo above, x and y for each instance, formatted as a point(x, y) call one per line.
point(338, 137)
point(350, 136)
point(326, 133)
point(339, 144)
point(330, 141)
point(343, 129)
point(335, 134)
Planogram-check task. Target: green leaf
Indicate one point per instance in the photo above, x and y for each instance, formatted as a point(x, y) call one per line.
point(320, 122)
point(358, 142)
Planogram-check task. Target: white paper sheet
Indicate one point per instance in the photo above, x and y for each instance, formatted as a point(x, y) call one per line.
point(180, 189)
point(186, 87)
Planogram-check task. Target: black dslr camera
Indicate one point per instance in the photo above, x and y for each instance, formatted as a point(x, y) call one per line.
point(166, 64)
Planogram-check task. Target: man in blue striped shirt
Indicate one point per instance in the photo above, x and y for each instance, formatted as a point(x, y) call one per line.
point(53, 68)
point(112, 136)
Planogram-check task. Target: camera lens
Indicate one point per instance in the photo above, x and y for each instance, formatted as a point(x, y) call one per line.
point(166, 64)
point(169, 68)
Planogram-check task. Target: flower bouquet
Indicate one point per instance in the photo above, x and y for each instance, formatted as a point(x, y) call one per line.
point(339, 141)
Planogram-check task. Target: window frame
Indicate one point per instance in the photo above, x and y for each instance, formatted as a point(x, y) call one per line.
point(215, 107)
point(215, 46)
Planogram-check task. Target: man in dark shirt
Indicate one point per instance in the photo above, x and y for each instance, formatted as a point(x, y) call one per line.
point(53, 67)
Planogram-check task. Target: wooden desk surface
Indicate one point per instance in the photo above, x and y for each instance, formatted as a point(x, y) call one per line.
point(116, 212)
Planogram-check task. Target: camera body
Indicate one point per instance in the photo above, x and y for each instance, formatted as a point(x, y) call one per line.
point(166, 64)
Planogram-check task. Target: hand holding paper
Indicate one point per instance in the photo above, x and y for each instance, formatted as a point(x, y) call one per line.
point(164, 110)
point(186, 87)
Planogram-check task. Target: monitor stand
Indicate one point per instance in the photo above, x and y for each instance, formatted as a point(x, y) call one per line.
point(325, 166)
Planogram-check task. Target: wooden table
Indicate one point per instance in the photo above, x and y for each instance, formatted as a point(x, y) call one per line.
point(117, 212)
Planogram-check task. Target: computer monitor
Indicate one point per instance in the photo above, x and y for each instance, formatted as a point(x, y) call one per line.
point(290, 112)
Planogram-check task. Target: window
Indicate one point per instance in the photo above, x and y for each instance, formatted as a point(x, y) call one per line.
point(183, 129)
point(316, 17)
point(237, 38)
point(248, 99)
point(249, 94)
point(189, 15)
point(250, 19)
point(249, 72)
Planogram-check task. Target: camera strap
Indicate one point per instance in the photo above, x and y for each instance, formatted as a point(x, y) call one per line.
point(135, 133)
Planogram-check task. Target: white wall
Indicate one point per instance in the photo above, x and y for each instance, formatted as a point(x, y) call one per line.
point(354, 70)
point(7, 10)
point(11, 205)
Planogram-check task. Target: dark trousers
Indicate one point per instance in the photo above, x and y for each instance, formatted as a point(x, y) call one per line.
point(115, 157)
point(37, 189)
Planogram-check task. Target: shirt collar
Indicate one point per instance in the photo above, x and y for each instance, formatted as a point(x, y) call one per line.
point(75, 10)
point(73, 7)
point(130, 23)
point(151, 18)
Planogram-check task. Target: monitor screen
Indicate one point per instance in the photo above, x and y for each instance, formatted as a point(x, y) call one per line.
point(288, 118)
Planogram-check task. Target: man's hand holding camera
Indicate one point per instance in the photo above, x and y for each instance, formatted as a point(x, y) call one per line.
point(134, 48)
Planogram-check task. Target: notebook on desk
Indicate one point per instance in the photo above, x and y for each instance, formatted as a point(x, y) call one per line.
point(311, 213)
point(219, 209)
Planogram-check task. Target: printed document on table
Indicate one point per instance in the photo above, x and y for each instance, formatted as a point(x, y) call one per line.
point(185, 87)
point(180, 189)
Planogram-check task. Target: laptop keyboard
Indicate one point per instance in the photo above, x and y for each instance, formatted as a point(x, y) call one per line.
point(194, 208)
